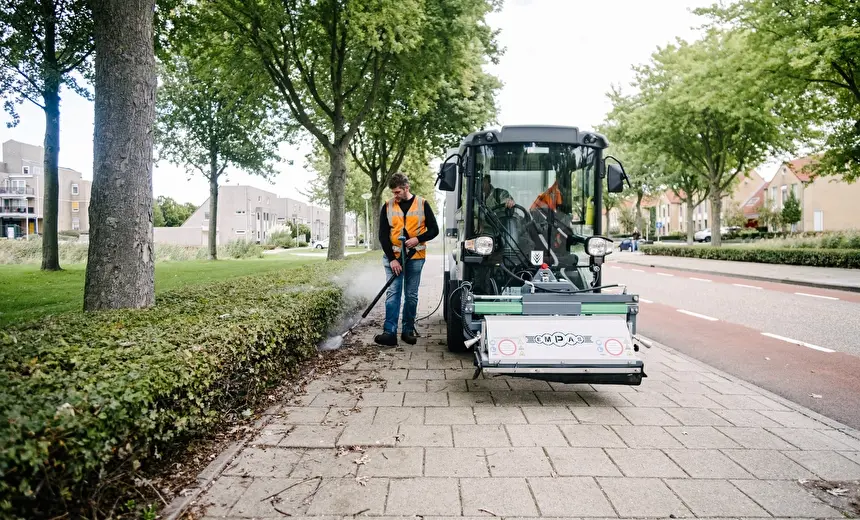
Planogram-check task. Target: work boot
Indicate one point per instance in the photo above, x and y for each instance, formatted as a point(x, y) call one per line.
point(386, 339)
point(410, 337)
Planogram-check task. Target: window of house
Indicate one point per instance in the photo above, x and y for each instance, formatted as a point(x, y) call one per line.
point(75, 189)
point(240, 231)
point(206, 215)
point(25, 170)
point(259, 198)
point(784, 193)
point(76, 223)
point(76, 206)
point(240, 211)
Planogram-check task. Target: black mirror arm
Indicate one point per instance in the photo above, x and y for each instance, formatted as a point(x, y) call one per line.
point(624, 176)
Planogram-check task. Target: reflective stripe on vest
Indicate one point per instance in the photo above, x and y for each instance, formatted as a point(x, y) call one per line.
point(413, 221)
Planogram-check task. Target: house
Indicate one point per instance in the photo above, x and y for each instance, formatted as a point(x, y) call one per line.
point(826, 203)
point(22, 193)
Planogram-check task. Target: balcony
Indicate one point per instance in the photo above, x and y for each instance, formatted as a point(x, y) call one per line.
point(16, 191)
point(17, 212)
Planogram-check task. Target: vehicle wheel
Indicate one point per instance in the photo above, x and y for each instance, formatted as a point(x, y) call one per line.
point(445, 293)
point(318, 246)
point(456, 342)
point(707, 239)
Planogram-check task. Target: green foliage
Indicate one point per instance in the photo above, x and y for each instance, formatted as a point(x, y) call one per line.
point(791, 213)
point(281, 239)
point(813, 45)
point(169, 213)
point(735, 215)
point(844, 258)
point(90, 397)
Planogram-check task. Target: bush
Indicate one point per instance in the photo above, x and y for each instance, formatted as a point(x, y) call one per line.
point(30, 252)
point(845, 258)
point(89, 398)
point(239, 249)
point(282, 239)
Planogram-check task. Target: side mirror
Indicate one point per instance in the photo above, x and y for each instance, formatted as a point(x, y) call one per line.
point(447, 177)
point(614, 179)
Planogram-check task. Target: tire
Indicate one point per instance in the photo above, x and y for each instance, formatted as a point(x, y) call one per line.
point(456, 342)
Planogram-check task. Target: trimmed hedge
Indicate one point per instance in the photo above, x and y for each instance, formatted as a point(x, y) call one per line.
point(845, 258)
point(88, 397)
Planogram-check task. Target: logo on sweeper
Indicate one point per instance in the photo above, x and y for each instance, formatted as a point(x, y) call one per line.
point(558, 339)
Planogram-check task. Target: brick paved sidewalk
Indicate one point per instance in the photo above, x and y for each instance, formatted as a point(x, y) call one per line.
point(411, 434)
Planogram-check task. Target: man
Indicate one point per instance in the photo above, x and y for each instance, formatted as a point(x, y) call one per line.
point(411, 215)
point(493, 198)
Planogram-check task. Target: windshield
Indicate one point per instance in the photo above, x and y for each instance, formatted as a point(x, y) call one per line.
point(542, 194)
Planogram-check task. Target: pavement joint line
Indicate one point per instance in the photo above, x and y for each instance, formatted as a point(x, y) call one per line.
point(697, 315)
point(816, 296)
point(747, 286)
point(700, 279)
point(798, 342)
point(836, 425)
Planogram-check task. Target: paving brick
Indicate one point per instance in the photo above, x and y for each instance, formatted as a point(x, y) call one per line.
point(342, 416)
point(515, 398)
point(806, 439)
point(391, 462)
point(481, 435)
point(785, 498)
point(697, 417)
point(517, 383)
point(224, 492)
point(425, 399)
point(701, 437)
point(715, 498)
point(271, 435)
point(382, 399)
point(310, 436)
point(452, 365)
point(502, 496)
point(746, 418)
point(456, 462)
point(650, 400)
point(470, 399)
point(707, 464)
point(599, 415)
point(488, 385)
point(410, 364)
point(690, 387)
point(423, 496)
point(642, 497)
point(518, 462)
point(301, 415)
point(271, 462)
point(730, 388)
point(571, 387)
point(342, 399)
point(499, 415)
point(688, 376)
point(828, 465)
point(770, 404)
point(412, 385)
point(450, 415)
point(611, 399)
point(368, 435)
point(644, 463)
point(399, 415)
point(446, 385)
point(327, 463)
point(852, 442)
point(571, 462)
point(692, 400)
point(535, 435)
point(548, 415)
point(426, 374)
point(792, 419)
point(591, 436)
point(648, 416)
point(561, 496)
point(646, 437)
point(755, 438)
point(349, 497)
point(551, 398)
point(768, 464)
point(290, 497)
point(425, 436)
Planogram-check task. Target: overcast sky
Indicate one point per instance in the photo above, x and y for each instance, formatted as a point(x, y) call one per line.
point(561, 58)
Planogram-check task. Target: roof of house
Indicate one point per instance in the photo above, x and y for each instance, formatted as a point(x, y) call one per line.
point(797, 165)
point(752, 204)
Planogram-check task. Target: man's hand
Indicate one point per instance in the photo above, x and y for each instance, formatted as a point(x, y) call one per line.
point(395, 267)
point(412, 242)
point(509, 203)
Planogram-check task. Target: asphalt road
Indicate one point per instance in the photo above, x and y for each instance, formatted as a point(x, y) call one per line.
point(798, 342)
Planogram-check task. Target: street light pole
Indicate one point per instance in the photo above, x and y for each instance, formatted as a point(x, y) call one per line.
point(366, 197)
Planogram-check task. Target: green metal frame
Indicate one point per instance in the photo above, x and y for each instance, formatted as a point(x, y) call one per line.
point(515, 307)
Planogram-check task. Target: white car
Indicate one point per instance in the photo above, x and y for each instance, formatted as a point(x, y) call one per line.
point(321, 244)
point(705, 234)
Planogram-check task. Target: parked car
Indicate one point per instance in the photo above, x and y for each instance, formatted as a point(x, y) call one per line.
point(705, 234)
point(321, 244)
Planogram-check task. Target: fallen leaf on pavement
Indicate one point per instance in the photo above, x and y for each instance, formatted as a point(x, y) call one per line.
point(815, 396)
point(487, 511)
point(838, 492)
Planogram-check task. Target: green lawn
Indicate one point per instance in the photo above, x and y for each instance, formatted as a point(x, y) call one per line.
point(26, 292)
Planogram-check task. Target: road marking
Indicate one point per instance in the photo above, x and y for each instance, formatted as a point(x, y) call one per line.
point(638, 270)
point(701, 279)
point(796, 342)
point(697, 315)
point(745, 285)
point(614, 267)
point(643, 300)
point(816, 296)
point(665, 274)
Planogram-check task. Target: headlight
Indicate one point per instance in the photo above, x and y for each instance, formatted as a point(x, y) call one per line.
point(481, 245)
point(598, 246)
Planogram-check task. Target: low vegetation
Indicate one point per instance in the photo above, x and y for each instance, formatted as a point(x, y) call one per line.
point(90, 399)
point(845, 258)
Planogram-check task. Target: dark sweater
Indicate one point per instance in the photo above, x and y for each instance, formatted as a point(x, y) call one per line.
point(385, 228)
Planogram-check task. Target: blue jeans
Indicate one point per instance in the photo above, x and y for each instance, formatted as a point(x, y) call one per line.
point(412, 274)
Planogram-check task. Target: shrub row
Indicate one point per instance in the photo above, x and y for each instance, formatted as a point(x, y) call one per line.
point(845, 258)
point(89, 397)
point(30, 252)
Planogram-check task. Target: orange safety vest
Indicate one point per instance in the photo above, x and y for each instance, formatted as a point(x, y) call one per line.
point(413, 221)
point(551, 198)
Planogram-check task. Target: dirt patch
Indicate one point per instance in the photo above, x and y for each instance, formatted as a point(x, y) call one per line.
point(841, 495)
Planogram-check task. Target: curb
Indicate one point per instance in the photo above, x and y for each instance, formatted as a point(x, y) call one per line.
point(802, 283)
point(851, 432)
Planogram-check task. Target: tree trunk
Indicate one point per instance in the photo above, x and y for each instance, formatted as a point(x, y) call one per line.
point(121, 264)
point(337, 201)
point(213, 213)
point(50, 210)
point(716, 221)
point(690, 231)
point(377, 202)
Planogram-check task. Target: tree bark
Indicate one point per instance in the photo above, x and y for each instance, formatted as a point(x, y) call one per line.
point(377, 202)
point(689, 217)
point(121, 263)
point(213, 213)
point(50, 211)
point(716, 221)
point(337, 200)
